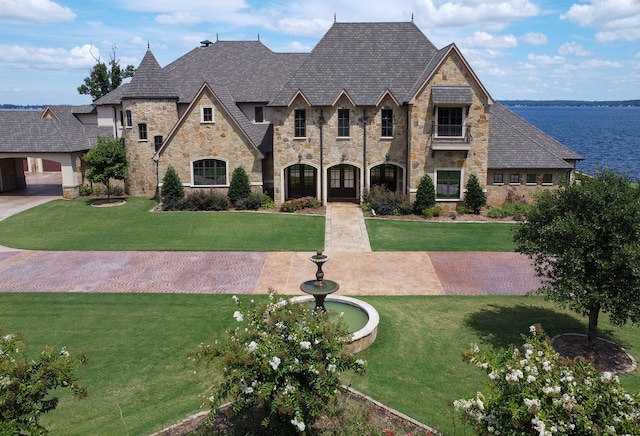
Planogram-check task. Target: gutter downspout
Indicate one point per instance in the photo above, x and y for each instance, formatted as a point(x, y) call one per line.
point(321, 123)
point(407, 189)
point(365, 119)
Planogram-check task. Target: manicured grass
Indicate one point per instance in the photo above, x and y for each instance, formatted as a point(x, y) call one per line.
point(76, 225)
point(398, 235)
point(140, 379)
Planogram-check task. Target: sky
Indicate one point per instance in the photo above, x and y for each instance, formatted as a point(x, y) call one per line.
point(519, 49)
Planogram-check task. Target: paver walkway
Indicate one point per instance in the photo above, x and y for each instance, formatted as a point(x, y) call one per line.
point(358, 270)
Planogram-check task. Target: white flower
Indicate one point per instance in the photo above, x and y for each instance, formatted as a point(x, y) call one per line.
point(298, 424)
point(280, 325)
point(212, 398)
point(531, 379)
point(331, 367)
point(238, 316)
point(64, 352)
point(305, 345)
point(275, 362)
point(252, 346)
point(235, 299)
point(494, 375)
point(533, 405)
point(360, 362)
point(532, 329)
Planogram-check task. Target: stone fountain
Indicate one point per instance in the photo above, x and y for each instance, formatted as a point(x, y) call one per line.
point(319, 288)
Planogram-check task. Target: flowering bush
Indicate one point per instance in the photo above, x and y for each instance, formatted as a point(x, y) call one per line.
point(26, 385)
point(533, 390)
point(284, 358)
point(299, 204)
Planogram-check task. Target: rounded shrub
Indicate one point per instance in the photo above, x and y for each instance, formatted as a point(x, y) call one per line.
point(475, 198)
point(425, 195)
point(239, 187)
point(172, 190)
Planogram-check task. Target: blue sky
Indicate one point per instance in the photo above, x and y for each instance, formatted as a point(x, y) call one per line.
point(520, 49)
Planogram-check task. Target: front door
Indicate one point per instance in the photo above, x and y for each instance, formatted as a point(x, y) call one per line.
point(342, 183)
point(301, 181)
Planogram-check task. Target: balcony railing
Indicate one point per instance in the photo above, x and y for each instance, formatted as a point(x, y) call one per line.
point(450, 131)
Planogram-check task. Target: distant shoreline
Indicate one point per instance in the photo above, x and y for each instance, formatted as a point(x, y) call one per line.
point(571, 103)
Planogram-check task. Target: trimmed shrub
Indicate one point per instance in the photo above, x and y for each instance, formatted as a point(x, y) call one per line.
point(382, 201)
point(239, 187)
point(267, 201)
point(431, 212)
point(252, 202)
point(299, 203)
point(172, 191)
point(204, 201)
point(425, 195)
point(475, 198)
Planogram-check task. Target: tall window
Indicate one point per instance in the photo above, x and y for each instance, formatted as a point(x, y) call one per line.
point(514, 179)
point(387, 122)
point(207, 115)
point(300, 123)
point(128, 117)
point(449, 121)
point(142, 132)
point(547, 179)
point(498, 179)
point(531, 179)
point(157, 142)
point(343, 122)
point(259, 114)
point(448, 185)
point(209, 172)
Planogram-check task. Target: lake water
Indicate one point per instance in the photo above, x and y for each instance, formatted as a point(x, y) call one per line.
point(603, 136)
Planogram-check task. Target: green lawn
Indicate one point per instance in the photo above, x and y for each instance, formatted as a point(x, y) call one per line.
point(140, 379)
point(76, 225)
point(398, 235)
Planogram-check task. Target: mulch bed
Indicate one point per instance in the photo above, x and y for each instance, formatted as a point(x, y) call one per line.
point(608, 355)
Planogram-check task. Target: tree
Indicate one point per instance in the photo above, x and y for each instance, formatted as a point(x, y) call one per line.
point(584, 239)
point(239, 187)
point(425, 195)
point(107, 160)
point(172, 189)
point(475, 198)
point(103, 79)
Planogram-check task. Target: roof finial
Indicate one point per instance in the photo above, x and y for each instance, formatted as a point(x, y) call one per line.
point(258, 36)
point(334, 17)
point(412, 17)
point(148, 46)
point(217, 38)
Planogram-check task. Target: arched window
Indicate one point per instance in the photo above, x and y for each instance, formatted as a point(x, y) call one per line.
point(211, 172)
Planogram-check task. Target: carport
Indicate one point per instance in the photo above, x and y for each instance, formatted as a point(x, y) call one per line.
point(59, 133)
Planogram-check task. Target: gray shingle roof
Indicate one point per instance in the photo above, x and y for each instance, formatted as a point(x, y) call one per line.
point(451, 95)
point(28, 132)
point(364, 59)
point(149, 81)
point(515, 143)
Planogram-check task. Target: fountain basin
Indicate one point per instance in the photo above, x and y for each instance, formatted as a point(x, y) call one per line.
point(364, 336)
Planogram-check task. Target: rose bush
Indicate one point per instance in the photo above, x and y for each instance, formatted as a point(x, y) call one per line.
point(533, 390)
point(283, 358)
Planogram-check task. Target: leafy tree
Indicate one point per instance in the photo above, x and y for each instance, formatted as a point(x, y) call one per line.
point(584, 239)
point(26, 385)
point(475, 198)
point(104, 79)
point(172, 189)
point(425, 195)
point(107, 160)
point(239, 187)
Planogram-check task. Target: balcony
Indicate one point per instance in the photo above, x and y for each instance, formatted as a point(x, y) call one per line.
point(450, 137)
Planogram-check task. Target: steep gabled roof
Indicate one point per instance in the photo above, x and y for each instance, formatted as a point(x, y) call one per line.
point(55, 130)
point(515, 143)
point(363, 59)
point(254, 133)
point(149, 81)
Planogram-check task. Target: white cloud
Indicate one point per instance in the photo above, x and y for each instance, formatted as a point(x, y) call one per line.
point(464, 12)
point(534, 38)
point(42, 58)
point(614, 19)
point(598, 63)
point(573, 48)
point(486, 40)
point(41, 11)
point(298, 47)
point(545, 60)
point(304, 27)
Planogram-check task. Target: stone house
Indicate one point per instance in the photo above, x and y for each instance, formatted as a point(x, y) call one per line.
point(371, 104)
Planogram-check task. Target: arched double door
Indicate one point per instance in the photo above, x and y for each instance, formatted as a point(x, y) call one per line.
point(302, 181)
point(344, 183)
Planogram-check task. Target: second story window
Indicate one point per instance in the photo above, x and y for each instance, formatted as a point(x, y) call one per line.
point(207, 115)
point(259, 114)
point(343, 123)
point(300, 123)
point(142, 132)
point(128, 118)
point(449, 121)
point(387, 123)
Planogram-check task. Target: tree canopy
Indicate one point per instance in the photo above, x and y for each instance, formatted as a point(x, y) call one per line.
point(584, 239)
point(104, 79)
point(107, 160)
